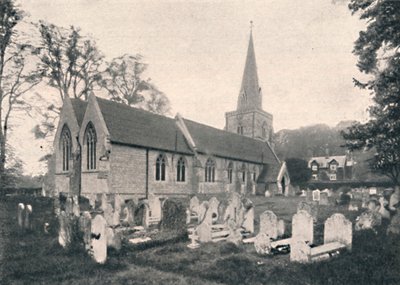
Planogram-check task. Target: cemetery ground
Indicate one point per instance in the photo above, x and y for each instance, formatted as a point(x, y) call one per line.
point(36, 258)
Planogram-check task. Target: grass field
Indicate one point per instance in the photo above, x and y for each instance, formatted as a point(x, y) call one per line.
point(36, 258)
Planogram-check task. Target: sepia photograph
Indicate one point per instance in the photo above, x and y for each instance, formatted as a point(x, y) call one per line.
point(200, 142)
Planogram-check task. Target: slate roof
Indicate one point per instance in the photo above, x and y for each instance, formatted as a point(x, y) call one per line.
point(136, 127)
point(323, 161)
point(79, 107)
point(269, 173)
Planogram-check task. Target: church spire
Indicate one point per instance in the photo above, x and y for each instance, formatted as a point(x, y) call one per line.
point(250, 92)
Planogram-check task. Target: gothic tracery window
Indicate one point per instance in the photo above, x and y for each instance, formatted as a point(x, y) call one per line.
point(180, 170)
point(210, 171)
point(90, 141)
point(66, 146)
point(161, 167)
point(230, 172)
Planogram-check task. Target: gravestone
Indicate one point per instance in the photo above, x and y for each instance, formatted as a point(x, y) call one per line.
point(113, 238)
point(281, 228)
point(394, 201)
point(92, 200)
point(28, 217)
point(299, 251)
point(233, 210)
point(269, 224)
point(309, 207)
point(108, 213)
point(316, 195)
point(155, 210)
point(202, 210)
point(248, 223)
point(303, 226)
point(20, 214)
point(104, 202)
point(267, 193)
point(309, 196)
point(235, 235)
point(372, 191)
point(174, 216)
point(75, 206)
point(56, 206)
point(353, 207)
point(99, 239)
point(69, 206)
point(323, 199)
point(373, 205)
point(213, 205)
point(65, 230)
point(130, 206)
point(382, 210)
point(338, 229)
point(203, 231)
point(303, 193)
point(394, 226)
point(368, 220)
point(85, 224)
point(194, 204)
point(118, 203)
point(262, 244)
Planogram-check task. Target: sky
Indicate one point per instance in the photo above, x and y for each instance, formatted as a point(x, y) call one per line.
point(196, 53)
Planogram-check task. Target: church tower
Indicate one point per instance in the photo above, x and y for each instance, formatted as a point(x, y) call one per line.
point(250, 119)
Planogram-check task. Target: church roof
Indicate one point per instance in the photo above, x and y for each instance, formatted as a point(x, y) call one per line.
point(250, 93)
point(137, 127)
point(79, 107)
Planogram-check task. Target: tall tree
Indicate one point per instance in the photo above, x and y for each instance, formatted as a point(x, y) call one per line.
point(298, 170)
point(378, 54)
point(18, 74)
point(123, 79)
point(71, 63)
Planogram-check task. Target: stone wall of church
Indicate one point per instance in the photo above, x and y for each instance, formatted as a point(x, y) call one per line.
point(61, 183)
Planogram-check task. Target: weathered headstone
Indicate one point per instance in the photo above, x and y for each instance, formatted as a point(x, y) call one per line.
point(368, 220)
point(382, 210)
point(235, 235)
point(281, 228)
point(394, 226)
point(57, 206)
point(269, 224)
point(262, 244)
point(303, 193)
point(373, 205)
point(65, 231)
point(299, 251)
point(99, 239)
point(20, 214)
point(75, 206)
point(203, 231)
point(155, 210)
point(85, 224)
point(104, 202)
point(303, 226)
point(338, 229)
point(323, 199)
point(353, 207)
point(213, 204)
point(309, 207)
point(202, 209)
point(113, 238)
point(174, 216)
point(248, 223)
point(194, 204)
point(92, 200)
point(372, 191)
point(309, 196)
point(316, 195)
point(69, 206)
point(28, 217)
point(108, 213)
point(130, 206)
point(394, 201)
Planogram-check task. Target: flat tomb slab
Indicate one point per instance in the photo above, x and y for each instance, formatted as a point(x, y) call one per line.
point(327, 248)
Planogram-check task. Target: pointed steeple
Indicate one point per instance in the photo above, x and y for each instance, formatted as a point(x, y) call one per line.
point(250, 92)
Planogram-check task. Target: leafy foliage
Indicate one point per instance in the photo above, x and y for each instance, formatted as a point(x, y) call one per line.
point(378, 54)
point(299, 172)
point(123, 79)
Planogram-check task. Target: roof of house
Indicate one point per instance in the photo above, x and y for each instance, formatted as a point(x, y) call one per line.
point(137, 127)
point(324, 161)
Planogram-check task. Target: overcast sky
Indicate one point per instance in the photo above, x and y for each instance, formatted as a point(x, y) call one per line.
point(196, 52)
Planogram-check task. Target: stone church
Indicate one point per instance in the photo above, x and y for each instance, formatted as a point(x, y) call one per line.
point(106, 147)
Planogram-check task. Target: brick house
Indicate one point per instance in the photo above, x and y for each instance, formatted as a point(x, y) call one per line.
point(106, 147)
point(331, 168)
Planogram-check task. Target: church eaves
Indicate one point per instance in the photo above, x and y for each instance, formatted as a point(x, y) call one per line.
point(250, 97)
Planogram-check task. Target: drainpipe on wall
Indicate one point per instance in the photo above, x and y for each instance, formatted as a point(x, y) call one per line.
point(80, 166)
point(147, 173)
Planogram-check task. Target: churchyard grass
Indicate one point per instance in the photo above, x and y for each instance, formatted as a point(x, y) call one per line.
point(34, 257)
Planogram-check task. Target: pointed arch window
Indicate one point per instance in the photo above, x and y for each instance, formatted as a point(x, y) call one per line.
point(264, 131)
point(243, 173)
point(240, 130)
point(66, 146)
point(90, 141)
point(230, 173)
point(210, 170)
point(180, 170)
point(161, 167)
